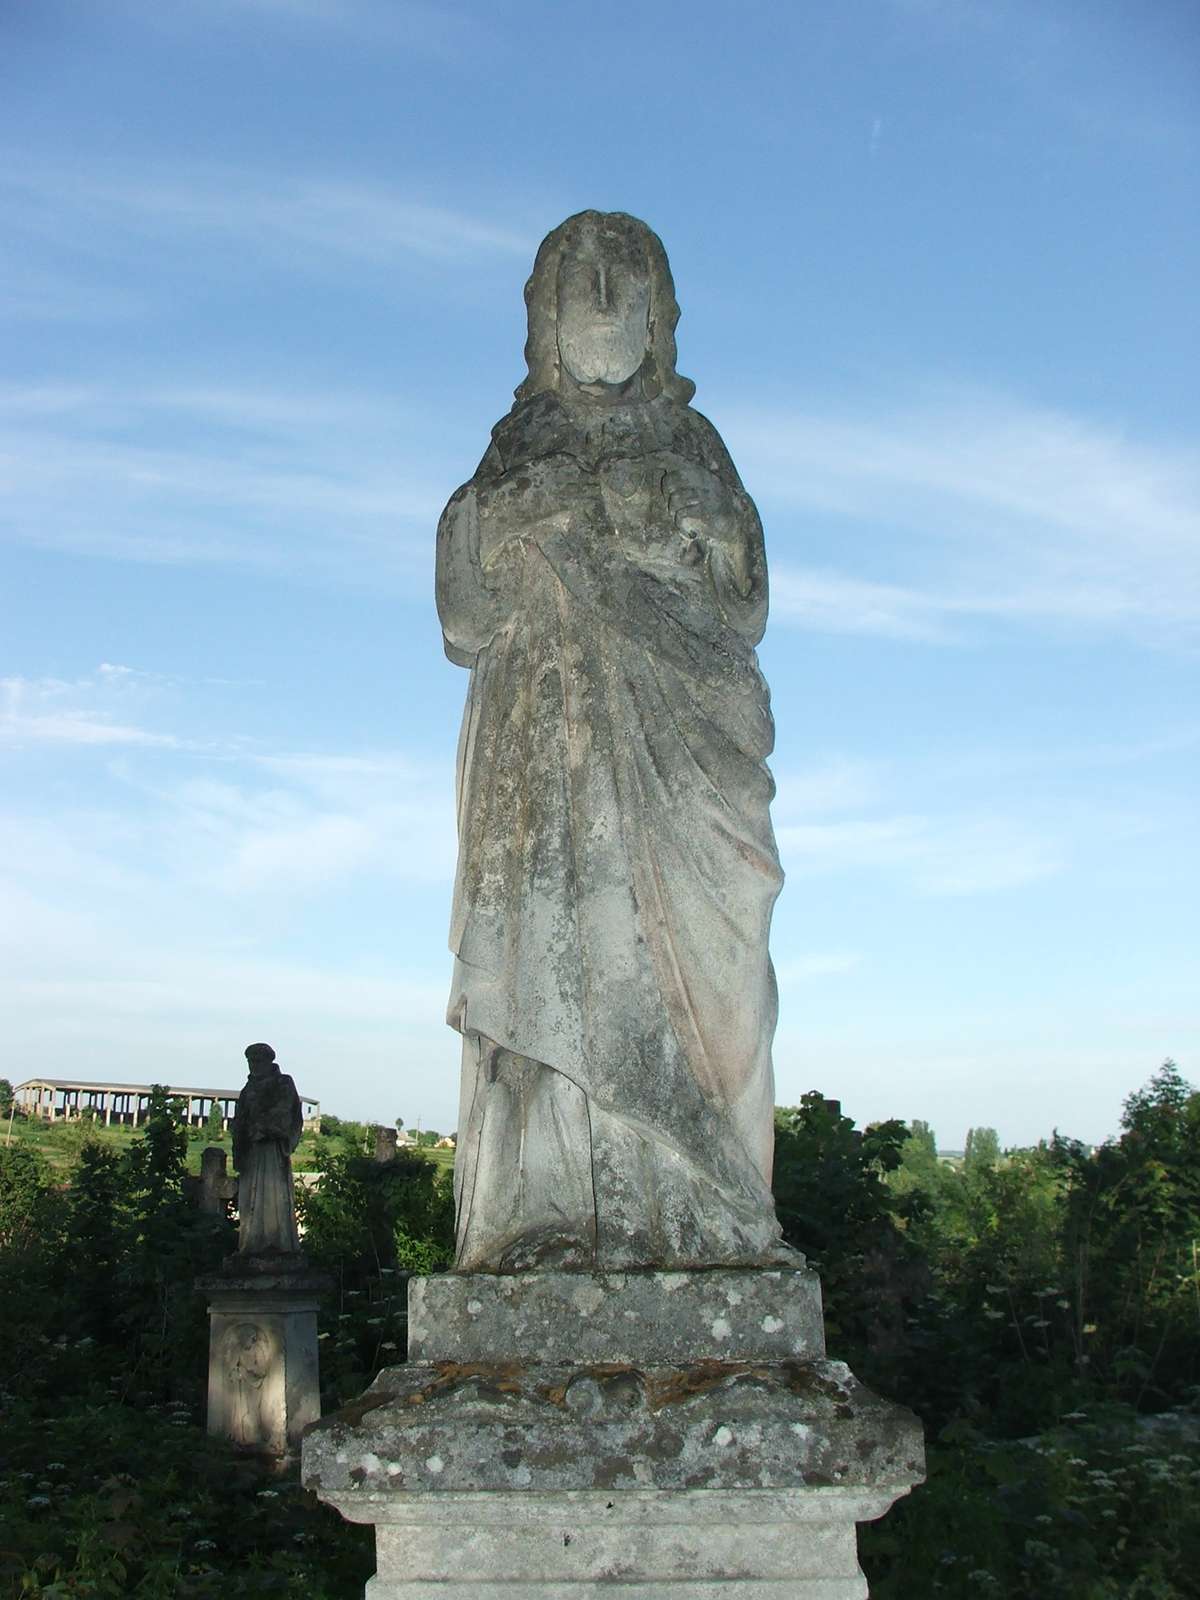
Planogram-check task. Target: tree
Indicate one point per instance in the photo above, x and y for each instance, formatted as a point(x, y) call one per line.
point(982, 1150)
point(6, 1097)
point(214, 1126)
point(30, 1206)
point(1159, 1109)
point(365, 1216)
point(96, 1200)
point(835, 1205)
point(923, 1136)
point(1130, 1243)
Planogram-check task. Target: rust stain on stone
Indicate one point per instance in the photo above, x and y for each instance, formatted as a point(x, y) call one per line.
point(677, 1384)
point(353, 1413)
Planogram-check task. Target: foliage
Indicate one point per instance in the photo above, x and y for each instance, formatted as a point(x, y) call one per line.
point(367, 1215)
point(982, 1150)
point(31, 1210)
point(6, 1098)
point(351, 1136)
point(834, 1205)
point(111, 1499)
point(1032, 1305)
point(371, 1224)
point(214, 1125)
point(113, 1256)
point(1131, 1238)
point(1097, 1506)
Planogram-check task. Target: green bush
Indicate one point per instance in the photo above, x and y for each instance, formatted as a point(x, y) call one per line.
point(100, 1498)
point(1097, 1507)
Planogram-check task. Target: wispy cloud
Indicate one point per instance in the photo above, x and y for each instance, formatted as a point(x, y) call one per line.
point(233, 820)
point(151, 996)
point(174, 885)
point(813, 965)
point(313, 220)
point(938, 855)
point(49, 711)
point(834, 783)
point(987, 509)
point(404, 27)
point(841, 816)
point(830, 602)
point(35, 292)
point(313, 482)
point(302, 824)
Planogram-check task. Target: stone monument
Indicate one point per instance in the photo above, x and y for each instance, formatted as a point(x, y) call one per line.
point(623, 1381)
point(263, 1379)
point(214, 1188)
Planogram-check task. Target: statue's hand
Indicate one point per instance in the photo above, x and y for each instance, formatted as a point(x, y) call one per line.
point(701, 507)
point(527, 500)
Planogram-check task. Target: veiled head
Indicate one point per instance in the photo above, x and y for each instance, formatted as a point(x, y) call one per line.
point(260, 1058)
point(641, 295)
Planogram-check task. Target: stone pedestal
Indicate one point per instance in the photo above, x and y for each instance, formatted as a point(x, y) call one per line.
point(263, 1377)
point(560, 1435)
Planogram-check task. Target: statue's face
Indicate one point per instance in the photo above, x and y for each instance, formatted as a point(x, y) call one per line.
point(603, 307)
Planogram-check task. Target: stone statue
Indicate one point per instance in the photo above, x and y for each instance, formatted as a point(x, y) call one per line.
point(603, 577)
point(266, 1129)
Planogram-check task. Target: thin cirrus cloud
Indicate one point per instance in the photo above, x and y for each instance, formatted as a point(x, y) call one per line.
point(236, 820)
point(50, 711)
point(304, 824)
point(312, 220)
point(1024, 514)
point(418, 30)
point(1025, 517)
point(956, 855)
point(815, 965)
point(237, 477)
point(831, 818)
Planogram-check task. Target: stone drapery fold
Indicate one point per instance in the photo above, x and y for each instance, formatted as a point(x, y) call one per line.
point(617, 865)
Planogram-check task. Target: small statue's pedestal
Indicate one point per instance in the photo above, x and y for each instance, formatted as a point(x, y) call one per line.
point(263, 1377)
point(558, 1435)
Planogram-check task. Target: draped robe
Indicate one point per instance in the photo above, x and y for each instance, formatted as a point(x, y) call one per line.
point(617, 866)
point(267, 1126)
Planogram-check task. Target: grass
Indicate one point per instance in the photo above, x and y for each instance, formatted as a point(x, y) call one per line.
point(59, 1143)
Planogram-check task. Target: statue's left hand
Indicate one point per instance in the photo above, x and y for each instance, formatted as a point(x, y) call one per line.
point(700, 505)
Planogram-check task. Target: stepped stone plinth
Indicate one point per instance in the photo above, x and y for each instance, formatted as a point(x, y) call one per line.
point(715, 1451)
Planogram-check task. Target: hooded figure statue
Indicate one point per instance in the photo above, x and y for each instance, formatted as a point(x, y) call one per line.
point(267, 1126)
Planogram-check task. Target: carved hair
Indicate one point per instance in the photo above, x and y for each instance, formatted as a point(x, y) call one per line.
point(541, 297)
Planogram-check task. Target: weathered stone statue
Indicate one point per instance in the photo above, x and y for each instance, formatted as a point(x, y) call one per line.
point(602, 575)
point(623, 1384)
point(263, 1378)
point(266, 1129)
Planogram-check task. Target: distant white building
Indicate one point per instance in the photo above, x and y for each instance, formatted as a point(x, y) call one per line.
point(125, 1103)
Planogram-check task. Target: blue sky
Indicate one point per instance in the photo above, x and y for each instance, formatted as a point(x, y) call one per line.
point(260, 303)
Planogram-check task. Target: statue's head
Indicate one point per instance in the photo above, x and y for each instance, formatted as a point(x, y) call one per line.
point(261, 1060)
point(602, 309)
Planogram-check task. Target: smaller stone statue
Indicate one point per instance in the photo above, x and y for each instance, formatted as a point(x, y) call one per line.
point(266, 1129)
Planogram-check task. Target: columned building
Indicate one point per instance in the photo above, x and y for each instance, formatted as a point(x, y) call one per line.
point(124, 1104)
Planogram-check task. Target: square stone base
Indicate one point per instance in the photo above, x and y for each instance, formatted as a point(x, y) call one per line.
point(263, 1377)
point(715, 1451)
point(790, 1544)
